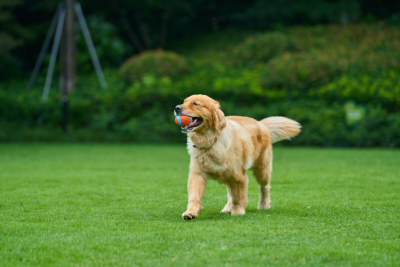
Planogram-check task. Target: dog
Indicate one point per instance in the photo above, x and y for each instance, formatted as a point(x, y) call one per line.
point(223, 148)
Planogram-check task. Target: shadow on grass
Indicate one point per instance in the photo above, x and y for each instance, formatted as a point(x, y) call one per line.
point(172, 214)
point(252, 213)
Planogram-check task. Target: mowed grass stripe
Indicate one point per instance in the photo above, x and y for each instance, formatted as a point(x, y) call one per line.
point(88, 204)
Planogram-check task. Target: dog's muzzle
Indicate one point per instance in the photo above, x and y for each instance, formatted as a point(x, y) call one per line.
point(178, 110)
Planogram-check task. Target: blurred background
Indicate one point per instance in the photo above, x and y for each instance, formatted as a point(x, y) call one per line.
point(334, 66)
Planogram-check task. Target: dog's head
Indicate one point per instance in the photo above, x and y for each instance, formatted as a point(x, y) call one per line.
point(205, 112)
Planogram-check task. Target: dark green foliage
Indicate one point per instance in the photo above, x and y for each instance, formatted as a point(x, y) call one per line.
point(379, 90)
point(300, 71)
point(144, 113)
point(111, 49)
point(158, 63)
point(276, 13)
point(324, 123)
point(11, 37)
point(8, 64)
point(262, 47)
point(328, 52)
point(379, 127)
point(332, 66)
point(153, 24)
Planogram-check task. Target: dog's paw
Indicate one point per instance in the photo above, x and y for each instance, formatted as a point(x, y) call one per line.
point(189, 215)
point(238, 211)
point(227, 208)
point(263, 206)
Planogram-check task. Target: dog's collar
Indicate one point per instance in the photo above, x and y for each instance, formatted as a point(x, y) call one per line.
point(206, 147)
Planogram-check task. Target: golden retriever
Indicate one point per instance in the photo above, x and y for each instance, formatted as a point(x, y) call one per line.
point(224, 148)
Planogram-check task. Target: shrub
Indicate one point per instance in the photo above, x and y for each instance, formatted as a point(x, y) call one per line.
point(324, 123)
point(302, 71)
point(263, 47)
point(378, 90)
point(328, 52)
point(357, 63)
point(158, 63)
point(379, 128)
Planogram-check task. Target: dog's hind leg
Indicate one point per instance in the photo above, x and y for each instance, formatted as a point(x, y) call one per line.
point(228, 206)
point(262, 171)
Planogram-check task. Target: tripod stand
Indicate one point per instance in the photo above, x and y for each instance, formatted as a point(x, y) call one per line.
point(56, 28)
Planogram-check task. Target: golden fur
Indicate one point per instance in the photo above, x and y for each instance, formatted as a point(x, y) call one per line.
point(224, 148)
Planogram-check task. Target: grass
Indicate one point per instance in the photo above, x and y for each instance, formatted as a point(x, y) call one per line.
point(121, 205)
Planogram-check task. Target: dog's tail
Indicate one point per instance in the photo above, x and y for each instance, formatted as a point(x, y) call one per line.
point(281, 128)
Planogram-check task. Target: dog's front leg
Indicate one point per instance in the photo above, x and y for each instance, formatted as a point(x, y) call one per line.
point(238, 189)
point(196, 186)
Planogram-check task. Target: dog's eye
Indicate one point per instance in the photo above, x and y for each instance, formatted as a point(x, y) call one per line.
point(196, 104)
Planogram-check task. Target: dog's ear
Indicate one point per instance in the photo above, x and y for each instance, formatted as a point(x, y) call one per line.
point(217, 120)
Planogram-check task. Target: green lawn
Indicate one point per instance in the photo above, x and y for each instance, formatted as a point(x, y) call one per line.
point(122, 204)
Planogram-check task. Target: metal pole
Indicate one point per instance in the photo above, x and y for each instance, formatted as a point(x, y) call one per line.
point(54, 52)
point(67, 50)
point(67, 60)
point(90, 46)
point(64, 109)
point(43, 50)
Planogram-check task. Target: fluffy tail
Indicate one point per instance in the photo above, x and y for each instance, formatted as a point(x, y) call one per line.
point(281, 128)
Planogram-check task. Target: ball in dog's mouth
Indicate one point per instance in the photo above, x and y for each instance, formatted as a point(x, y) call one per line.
point(196, 121)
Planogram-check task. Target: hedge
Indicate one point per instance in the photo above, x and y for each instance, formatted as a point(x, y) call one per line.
point(313, 84)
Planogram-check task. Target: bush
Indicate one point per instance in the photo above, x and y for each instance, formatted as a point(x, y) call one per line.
point(379, 128)
point(328, 52)
point(356, 64)
point(158, 63)
point(301, 71)
point(263, 47)
point(324, 124)
point(143, 112)
point(382, 90)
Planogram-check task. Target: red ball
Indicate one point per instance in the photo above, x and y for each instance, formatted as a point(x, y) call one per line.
point(183, 120)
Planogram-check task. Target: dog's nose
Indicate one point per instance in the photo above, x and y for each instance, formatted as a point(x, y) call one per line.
point(178, 109)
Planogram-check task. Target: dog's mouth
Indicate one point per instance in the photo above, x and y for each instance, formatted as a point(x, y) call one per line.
point(196, 121)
